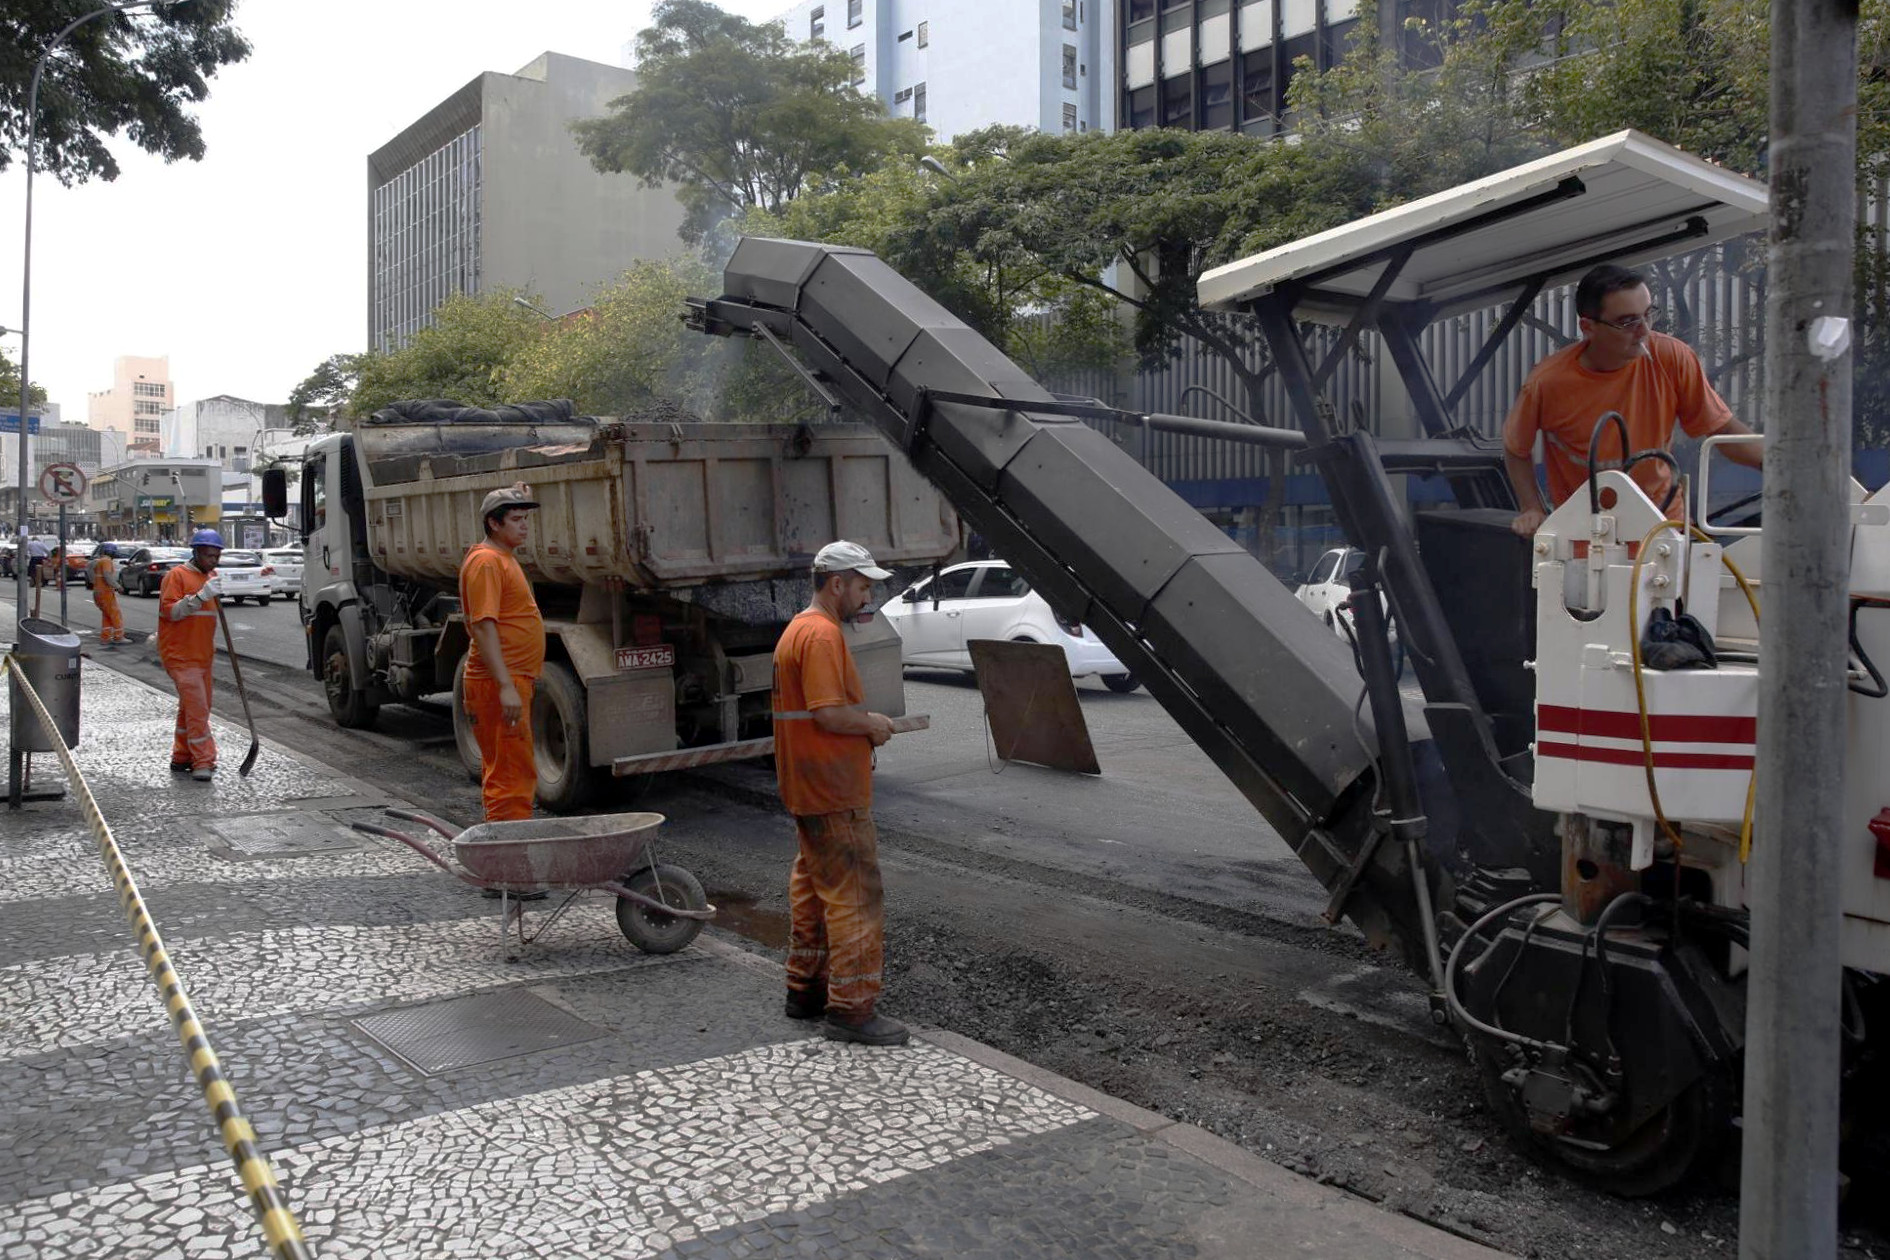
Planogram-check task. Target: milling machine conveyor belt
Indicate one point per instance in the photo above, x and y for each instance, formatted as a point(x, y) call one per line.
point(1259, 683)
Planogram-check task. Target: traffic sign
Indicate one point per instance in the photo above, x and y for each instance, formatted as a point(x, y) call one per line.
point(62, 483)
point(10, 423)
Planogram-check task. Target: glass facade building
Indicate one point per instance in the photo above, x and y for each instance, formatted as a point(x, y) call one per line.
point(425, 222)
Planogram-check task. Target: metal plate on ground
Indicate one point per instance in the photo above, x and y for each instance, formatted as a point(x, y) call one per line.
point(258, 836)
point(1030, 702)
point(483, 1028)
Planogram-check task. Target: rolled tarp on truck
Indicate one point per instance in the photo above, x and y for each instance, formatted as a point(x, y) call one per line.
point(666, 557)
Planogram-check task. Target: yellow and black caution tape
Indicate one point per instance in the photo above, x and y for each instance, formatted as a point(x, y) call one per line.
point(280, 1228)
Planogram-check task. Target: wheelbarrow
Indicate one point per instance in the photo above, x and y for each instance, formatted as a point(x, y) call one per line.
point(660, 908)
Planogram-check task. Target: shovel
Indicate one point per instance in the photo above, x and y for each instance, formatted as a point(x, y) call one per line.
point(229, 646)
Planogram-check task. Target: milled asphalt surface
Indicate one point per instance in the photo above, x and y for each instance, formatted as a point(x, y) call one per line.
point(422, 1095)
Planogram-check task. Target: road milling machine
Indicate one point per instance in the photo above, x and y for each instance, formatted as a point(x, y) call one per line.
point(1554, 834)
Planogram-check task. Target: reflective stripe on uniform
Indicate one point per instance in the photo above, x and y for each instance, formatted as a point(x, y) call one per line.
point(802, 715)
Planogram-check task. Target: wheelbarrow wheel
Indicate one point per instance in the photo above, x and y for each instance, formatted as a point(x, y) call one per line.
point(652, 931)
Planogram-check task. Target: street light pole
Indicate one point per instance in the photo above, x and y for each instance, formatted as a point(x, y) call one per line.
point(26, 274)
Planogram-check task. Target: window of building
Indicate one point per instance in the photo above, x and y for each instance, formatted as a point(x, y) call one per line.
point(1257, 106)
point(145, 426)
point(1292, 50)
point(1178, 102)
point(855, 13)
point(1142, 107)
point(918, 101)
point(859, 64)
point(925, 34)
point(1217, 95)
point(1069, 15)
point(1069, 117)
point(902, 96)
point(1141, 9)
point(817, 23)
point(1069, 66)
point(904, 36)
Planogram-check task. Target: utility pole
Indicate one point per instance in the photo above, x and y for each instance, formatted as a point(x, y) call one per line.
point(1789, 1181)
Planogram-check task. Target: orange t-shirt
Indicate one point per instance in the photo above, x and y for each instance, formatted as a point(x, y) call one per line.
point(493, 588)
point(1562, 400)
point(191, 641)
point(820, 772)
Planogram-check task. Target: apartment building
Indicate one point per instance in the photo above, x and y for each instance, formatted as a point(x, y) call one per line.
point(134, 407)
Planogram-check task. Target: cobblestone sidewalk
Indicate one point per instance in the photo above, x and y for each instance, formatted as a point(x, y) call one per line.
point(422, 1096)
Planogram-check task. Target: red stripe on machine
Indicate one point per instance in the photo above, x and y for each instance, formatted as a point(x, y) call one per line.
point(1634, 757)
point(1672, 728)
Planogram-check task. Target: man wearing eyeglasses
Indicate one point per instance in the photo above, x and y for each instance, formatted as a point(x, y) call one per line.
point(1620, 364)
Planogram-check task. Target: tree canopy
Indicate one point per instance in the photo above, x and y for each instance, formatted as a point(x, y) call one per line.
point(10, 386)
point(136, 73)
point(737, 115)
point(468, 353)
point(323, 395)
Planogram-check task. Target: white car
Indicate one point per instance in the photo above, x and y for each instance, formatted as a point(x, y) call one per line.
point(243, 575)
point(1327, 588)
point(987, 599)
point(287, 563)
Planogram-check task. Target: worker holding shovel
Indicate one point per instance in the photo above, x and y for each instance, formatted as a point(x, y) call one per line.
point(187, 643)
point(111, 622)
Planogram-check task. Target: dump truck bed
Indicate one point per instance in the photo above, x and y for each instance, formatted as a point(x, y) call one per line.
point(652, 505)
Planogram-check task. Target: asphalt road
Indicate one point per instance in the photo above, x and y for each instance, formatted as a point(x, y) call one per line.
point(272, 634)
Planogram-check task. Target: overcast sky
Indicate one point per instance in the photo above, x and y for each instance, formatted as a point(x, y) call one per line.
point(249, 267)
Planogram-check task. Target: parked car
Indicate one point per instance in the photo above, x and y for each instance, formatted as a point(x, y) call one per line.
point(245, 575)
point(79, 552)
point(287, 562)
point(987, 599)
point(143, 572)
point(1329, 585)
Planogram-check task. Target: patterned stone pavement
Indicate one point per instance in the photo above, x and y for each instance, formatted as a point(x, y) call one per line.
point(422, 1094)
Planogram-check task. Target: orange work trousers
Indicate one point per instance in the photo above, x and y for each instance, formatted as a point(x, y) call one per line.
point(837, 909)
point(508, 771)
point(193, 745)
point(111, 622)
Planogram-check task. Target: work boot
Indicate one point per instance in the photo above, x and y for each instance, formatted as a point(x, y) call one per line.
point(807, 1003)
point(874, 1030)
point(203, 774)
point(180, 767)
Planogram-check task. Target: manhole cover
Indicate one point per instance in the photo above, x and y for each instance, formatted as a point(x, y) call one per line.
point(462, 1032)
point(278, 836)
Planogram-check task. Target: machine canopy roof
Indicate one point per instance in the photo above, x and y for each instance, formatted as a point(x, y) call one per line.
point(1625, 198)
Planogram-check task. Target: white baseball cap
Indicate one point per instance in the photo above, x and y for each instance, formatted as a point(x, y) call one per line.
point(843, 556)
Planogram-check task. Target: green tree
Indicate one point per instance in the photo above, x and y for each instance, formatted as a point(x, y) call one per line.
point(322, 397)
point(627, 349)
point(10, 386)
point(136, 73)
point(737, 115)
point(468, 353)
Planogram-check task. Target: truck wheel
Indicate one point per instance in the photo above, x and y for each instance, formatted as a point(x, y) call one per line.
point(347, 701)
point(462, 726)
point(561, 739)
point(652, 931)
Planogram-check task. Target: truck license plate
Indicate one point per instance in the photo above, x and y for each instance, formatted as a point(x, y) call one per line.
point(661, 657)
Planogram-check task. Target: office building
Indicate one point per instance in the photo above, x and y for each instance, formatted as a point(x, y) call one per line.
point(958, 65)
point(134, 406)
point(489, 191)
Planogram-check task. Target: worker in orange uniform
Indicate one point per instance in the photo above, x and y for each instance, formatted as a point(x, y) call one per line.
point(508, 652)
point(823, 748)
point(1620, 364)
point(187, 643)
point(104, 573)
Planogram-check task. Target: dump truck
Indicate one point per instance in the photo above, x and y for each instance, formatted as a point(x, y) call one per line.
point(1552, 832)
point(667, 558)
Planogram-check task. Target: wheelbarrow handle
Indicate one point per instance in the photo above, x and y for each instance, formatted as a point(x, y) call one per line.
point(425, 820)
point(421, 847)
point(651, 903)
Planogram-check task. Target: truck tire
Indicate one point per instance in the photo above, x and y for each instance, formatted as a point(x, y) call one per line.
point(561, 740)
point(346, 699)
point(462, 725)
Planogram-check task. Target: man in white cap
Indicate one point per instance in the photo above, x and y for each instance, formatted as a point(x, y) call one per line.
point(507, 655)
point(823, 748)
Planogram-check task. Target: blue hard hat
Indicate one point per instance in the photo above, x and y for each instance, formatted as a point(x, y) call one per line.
point(207, 538)
point(108, 549)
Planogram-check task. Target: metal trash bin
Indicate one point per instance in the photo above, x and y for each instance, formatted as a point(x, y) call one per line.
point(48, 654)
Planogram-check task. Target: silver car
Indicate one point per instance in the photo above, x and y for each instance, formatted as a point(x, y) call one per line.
point(287, 563)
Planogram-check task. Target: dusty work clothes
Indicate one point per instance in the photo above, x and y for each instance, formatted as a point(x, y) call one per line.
point(837, 928)
point(493, 588)
point(111, 622)
point(837, 912)
point(186, 645)
point(1562, 400)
